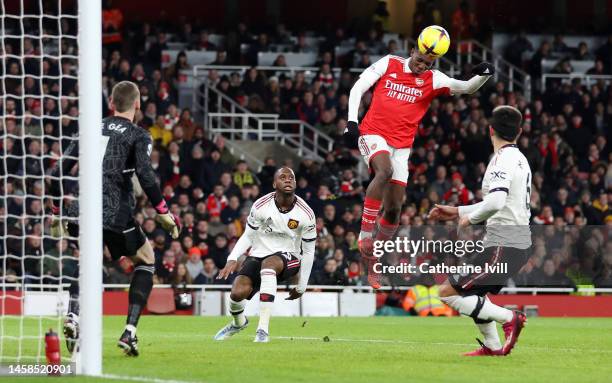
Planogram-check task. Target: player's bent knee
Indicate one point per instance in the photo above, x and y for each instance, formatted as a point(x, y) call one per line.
point(392, 213)
point(241, 289)
point(240, 293)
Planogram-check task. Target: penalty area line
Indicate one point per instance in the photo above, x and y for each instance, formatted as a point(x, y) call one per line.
point(407, 342)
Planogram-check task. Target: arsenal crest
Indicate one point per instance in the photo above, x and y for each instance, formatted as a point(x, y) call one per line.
point(419, 82)
point(292, 224)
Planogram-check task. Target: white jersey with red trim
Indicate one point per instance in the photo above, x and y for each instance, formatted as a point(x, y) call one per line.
point(509, 172)
point(400, 100)
point(278, 231)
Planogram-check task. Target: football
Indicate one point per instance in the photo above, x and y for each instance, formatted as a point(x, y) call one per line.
point(433, 41)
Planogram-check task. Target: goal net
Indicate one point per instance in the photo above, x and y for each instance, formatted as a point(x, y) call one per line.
point(40, 113)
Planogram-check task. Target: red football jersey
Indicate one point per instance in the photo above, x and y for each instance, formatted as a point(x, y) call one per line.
point(400, 100)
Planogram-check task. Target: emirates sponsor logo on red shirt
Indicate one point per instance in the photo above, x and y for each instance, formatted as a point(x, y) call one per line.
point(403, 92)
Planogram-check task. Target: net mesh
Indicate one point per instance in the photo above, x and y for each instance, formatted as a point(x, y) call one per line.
point(39, 111)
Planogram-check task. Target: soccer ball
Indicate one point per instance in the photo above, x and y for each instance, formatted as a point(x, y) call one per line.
point(433, 41)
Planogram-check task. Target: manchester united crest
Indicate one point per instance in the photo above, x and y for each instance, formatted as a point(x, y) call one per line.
point(292, 224)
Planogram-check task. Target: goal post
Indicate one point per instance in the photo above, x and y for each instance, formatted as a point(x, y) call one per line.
point(50, 98)
point(90, 183)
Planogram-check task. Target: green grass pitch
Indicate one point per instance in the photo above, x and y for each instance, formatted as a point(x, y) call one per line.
point(387, 349)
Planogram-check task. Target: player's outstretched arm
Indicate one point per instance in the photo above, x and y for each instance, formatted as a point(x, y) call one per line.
point(482, 72)
point(491, 204)
point(242, 245)
point(443, 213)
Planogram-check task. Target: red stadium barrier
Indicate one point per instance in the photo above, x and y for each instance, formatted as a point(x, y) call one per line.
point(10, 303)
point(560, 305)
point(554, 305)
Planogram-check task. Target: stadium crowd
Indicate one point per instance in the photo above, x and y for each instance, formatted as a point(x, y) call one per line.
point(566, 137)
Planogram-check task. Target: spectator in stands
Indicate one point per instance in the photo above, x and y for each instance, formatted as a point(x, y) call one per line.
point(535, 66)
point(307, 110)
point(219, 251)
point(160, 132)
point(604, 53)
point(563, 67)
point(604, 276)
point(261, 45)
point(204, 43)
point(216, 201)
point(392, 48)
point(253, 83)
point(559, 48)
point(302, 45)
point(208, 274)
point(583, 53)
point(154, 54)
point(112, 26)
point(243, 176)
point(364, 61)
point(426, 13)
point(221, 57)
point(194, 263)
point(552, 277)
point(173, 72)
point(280, 61)
point(330, 275)
point(232, 212)
point(213, 168)
point(464, 23)
point(458, 193)
point(186, 35)
point(516, 48)
point(326, 76)
point(374, 44)
point(598, 68)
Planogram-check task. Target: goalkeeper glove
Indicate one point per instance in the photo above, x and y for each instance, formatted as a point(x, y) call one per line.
point(351, 135)
point(59, 227)
point(484, 69)
point(168, 221)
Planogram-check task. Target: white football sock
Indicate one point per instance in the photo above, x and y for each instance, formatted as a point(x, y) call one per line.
point(237, 311)
point(364, 235)
point(267, 292)
point(131, 329)
point(491, 336)
point(489, 310)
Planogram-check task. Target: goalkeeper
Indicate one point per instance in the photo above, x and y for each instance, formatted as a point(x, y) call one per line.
point(126, 149)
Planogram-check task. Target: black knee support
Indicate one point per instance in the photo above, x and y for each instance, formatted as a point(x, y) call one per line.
point(476, 312)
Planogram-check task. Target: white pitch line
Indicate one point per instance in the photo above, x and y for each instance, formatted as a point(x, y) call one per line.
point(391, 341)
point(387, 341)
point(372, 340)
point(143, 379)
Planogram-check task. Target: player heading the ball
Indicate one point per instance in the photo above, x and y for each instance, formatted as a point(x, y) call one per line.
point(404, 89)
